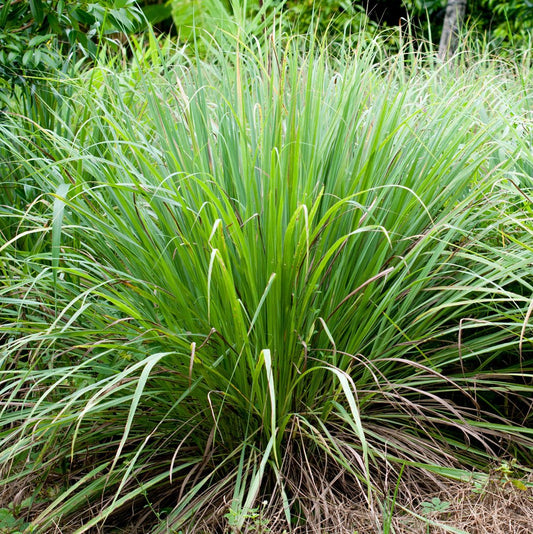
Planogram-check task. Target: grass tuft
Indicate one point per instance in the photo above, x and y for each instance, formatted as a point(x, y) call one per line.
point(282, 276)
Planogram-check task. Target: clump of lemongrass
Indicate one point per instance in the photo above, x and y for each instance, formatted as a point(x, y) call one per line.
point(279, 262)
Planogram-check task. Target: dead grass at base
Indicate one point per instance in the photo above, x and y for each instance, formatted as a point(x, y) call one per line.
point(498, 507)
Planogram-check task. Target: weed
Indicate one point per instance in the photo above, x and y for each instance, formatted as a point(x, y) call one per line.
point(253, 520)
point(435, 506)
point(10, 522)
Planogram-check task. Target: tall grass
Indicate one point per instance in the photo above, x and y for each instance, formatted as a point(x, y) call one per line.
point(279, 276)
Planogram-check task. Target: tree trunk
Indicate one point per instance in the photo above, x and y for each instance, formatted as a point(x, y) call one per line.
point(449, 39)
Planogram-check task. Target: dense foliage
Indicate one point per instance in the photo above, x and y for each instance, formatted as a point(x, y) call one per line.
point(506, 23)
point(33, 33)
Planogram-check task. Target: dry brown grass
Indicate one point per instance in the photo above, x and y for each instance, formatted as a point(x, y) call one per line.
point(497, 507)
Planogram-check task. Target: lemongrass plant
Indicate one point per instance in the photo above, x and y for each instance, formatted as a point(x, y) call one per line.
point(278, 276)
